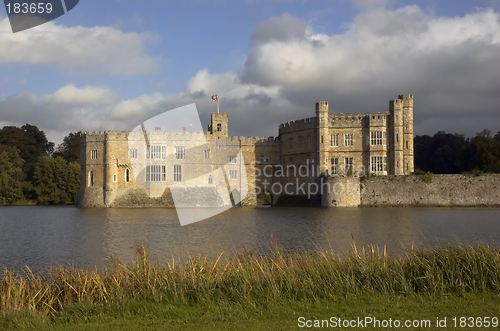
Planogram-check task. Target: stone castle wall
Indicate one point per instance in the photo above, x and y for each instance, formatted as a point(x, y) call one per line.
point(412, 190)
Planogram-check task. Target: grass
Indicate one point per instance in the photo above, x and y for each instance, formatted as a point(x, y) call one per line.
point(251, 287)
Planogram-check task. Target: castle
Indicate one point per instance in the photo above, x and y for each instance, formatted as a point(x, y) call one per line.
point(142, 168)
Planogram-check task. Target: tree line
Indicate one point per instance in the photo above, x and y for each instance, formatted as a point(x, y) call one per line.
point(33, 171)
point(446, 153)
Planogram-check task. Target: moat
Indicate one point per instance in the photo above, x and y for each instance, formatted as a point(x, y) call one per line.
point(44, 236)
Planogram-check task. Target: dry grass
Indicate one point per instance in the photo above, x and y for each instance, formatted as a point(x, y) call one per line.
point(249, 277)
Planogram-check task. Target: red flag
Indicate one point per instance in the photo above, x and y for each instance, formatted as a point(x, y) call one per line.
point(215, 98)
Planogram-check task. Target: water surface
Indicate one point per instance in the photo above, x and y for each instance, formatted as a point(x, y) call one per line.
point(43, 236)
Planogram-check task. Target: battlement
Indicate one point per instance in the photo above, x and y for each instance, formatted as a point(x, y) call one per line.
point(297, 125)
point(219, 115)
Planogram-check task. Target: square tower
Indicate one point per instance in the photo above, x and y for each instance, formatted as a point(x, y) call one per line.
point(218, 125)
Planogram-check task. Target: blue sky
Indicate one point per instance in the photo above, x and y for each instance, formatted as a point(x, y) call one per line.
point(106, 65)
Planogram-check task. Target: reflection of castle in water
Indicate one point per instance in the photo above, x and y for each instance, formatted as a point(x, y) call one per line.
point(144, 168)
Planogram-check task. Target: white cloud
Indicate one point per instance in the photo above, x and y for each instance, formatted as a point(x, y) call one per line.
point(96, 50)
point(451, 65)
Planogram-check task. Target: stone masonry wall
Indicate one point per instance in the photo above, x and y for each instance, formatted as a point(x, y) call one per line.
point(453, 190)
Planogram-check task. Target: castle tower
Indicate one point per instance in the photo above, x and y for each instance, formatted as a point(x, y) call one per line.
point(321, 135)
point(408, 132)
point(397, 137)
point(218, 125)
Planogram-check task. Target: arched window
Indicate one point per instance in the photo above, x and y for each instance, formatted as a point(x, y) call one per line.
point(219, 127)
point(91, 178)
point(210, 180)
point(127, 175)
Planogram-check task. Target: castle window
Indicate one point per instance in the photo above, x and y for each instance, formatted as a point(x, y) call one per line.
point(127, 175)
point(210, 180)
point(379, 163)
point(301, 142)
point(407, 144)
point(206, 153)
point(180, 152)
point(397, 137)
point(309, 142)
point(156, 152)
point(233, 174)
point(397, 164)
point(233, 159)
point(133, 153)
point(93, 154)
point(334, 162)
point(91, 178)
point(114, 178)
point(219, 127)
point(177, 173)
point(155, 173)
point(377, 138)
point(348, 139)
point(334, 140)
point(290, 143)
point(349, 164)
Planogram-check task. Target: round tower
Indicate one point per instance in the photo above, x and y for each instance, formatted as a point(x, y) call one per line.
point(322, 135)
point(408, 132)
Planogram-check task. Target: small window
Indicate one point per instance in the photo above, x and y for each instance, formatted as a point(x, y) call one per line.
point(91, 178)
point(309, 141)
point(301, 142)
point(349, 139)
point(114, 178)
point(334, 165)
point(210, 180)
point(349, 164)
point(378, 163)
point(290, 143)
point(177, 173)
point(155, 173)
point(219, 127)
point(334, 140)
point(93, 154)
point(233, 174)
point(127, 175)
point(156, 152)
point(206, 153)
point(233, 159)
point(397, 137)
point(377, 138)
point(133, 153)
point(180, 153)
point(407, 144)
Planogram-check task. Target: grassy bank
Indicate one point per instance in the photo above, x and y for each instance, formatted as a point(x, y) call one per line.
point(281, 284)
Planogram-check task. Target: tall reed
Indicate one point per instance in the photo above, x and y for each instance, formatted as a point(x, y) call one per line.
point(250, 277)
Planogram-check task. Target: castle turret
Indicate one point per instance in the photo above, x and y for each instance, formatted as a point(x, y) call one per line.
point(322, 135)
point(397, 137)
point(408, 132)
point(219, 125)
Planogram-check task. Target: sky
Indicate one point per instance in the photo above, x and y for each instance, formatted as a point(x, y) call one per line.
point(111, 64)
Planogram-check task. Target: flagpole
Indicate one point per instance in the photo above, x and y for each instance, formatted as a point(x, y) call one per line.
point(217, 103)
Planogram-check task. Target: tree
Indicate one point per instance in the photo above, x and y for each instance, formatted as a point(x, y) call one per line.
point(30, 142)
point(11, 176)
point(70, 148)
point(55, 181)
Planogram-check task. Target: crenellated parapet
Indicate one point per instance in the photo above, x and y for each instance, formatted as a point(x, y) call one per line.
point(297, 125)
